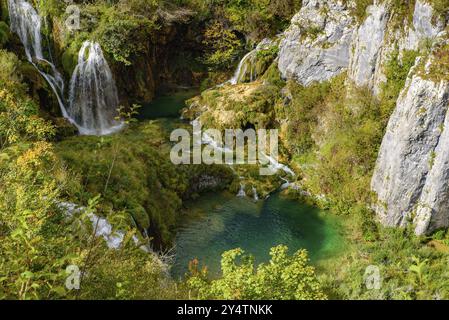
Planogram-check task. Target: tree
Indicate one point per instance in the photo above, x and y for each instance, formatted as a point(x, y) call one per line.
point(283, 278)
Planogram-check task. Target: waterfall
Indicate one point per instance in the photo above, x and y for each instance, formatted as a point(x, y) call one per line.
point(242, 69)
point(242, 192)
point(102, 227)
point(255, 195)
point(275, 165)
point(93, 99)
point(247, 70)
point(27, 24)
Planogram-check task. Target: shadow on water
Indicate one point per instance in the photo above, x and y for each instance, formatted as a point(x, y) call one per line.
point(167, 105)
point(221, 222)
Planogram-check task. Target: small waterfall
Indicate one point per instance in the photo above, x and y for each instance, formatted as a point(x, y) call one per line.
point(255, 195)
point(275, 165)
point(242, 192)
point(27, 24)
point(102, 227)
point(93, 99)
point(247, 70)
point(286, 184)
point(242, 69)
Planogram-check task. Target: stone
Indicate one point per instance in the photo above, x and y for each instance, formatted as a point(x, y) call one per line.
point(410, 178)
point(316, 47)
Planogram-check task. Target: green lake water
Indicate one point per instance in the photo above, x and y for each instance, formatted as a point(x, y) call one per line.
point(166, 106)
point(217, 223)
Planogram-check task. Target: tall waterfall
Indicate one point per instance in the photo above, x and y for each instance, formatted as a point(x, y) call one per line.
point(93, 99)
point(26, 23)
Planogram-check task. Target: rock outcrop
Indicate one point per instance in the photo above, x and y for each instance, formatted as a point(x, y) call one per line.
point(410, 178)
point(424, 26)
point(369, 39)
point(324, 40)
point(316, 47)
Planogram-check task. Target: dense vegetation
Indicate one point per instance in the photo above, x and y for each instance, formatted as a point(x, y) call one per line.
point(330, 134)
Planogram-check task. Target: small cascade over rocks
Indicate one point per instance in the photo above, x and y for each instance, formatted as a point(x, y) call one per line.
point(102, 227)
point(242, 193)
point(27, 24)
point(246, 65)
point(255, 195)
point(93, 99)
point(248, 69)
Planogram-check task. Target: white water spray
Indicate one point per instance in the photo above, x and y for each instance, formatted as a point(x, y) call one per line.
point(246, 63)
point(27, 24)
point(255, 195)
point(93, 99)
point(242, 192)
point(247, 70)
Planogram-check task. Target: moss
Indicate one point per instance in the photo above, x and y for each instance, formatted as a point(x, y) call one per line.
point(69, 59)
point(439, 69)
point(273, 75)
point(359, 11)
point(133, 173)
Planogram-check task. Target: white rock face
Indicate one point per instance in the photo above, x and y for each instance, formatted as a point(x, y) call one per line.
point(433, 207)
point(367, 46)
point(423, 28)
point(411, 174)
point(316, 47)
point(324, 41)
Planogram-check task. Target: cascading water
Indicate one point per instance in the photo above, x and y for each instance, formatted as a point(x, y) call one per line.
point(242, 69)
point(247, 70)
point(255, 195)
point(242, 192)
point(93, 99)
point(26, 23)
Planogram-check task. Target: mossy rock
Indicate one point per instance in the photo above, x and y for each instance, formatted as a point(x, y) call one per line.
point(64, 128)
point(69, 60)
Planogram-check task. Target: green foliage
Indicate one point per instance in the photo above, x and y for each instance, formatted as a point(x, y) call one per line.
point(396, 71)
point(133, 173)
point(439, 69)
point(29, 226)
point(302, 114)
point(440, 8)
point(224, 46)
point(38, 240)
point(360, 8)
point(283, 278)
point(402, 11)
point(19, 120)
point(4, 33)
point(259, 17)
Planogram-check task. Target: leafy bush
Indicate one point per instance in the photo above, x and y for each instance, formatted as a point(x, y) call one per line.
point(283, 278)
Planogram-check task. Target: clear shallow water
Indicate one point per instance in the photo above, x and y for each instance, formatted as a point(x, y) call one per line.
point(223, 222)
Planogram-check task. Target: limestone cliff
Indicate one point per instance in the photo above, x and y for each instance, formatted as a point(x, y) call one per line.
point(325, 39)
point(316, 45)
point(411, 169)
